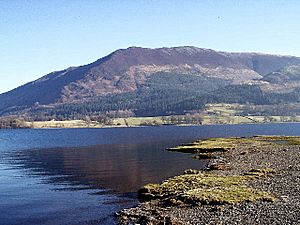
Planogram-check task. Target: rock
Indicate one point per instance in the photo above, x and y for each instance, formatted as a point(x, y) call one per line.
point(190, 171)
point(219, 166)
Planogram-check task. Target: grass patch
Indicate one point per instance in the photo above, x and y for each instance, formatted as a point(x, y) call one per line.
point(215, 145)
point(205, 188)
point(282, 140)
point(211, 147)
point(206, 146)
point(228, 195)
point(210, 188)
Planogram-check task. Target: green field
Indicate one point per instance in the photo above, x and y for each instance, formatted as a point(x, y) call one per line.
point(213, 114)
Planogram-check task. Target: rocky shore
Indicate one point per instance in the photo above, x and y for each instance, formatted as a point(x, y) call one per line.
point(247, 181)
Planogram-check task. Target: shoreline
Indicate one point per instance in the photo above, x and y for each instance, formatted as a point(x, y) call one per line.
point(267, 165)
point(66, 125)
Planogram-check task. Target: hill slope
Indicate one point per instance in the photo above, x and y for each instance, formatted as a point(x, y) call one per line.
point(147, 81)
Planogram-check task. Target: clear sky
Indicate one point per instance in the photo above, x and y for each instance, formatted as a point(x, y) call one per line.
point(41, 36)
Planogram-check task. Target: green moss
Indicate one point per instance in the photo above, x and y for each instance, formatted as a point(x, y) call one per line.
point(215, 145)
point(282, 140)
point(210, 188)
point(230, 195)
point(205, 188)
point(209, 147)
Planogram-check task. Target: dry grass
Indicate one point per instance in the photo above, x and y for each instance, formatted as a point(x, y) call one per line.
point(223, 113)
point(215, 145)
point(213, 188)
point(206, 188)
point(63, 124)
point(137, 121)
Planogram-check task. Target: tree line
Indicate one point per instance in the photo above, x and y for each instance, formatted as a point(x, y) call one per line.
point(13, 123)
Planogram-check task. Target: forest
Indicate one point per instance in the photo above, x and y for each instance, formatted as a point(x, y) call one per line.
point(169, 94)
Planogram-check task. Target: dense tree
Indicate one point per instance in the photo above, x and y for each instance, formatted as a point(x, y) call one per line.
point(172, 94)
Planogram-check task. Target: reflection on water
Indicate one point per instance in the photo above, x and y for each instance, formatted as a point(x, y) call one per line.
point(119, 168)
point(83, 176)
point(90, 183)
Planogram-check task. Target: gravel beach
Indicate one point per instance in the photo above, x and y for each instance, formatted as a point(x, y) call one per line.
point(275, 153)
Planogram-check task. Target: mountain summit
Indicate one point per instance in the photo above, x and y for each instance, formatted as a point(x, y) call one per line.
point(135, 70)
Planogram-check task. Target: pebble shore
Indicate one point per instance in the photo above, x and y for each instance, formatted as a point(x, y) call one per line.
point(281, 156)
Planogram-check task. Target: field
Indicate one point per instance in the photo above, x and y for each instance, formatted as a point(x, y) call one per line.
point(62, 124)
point(213, 114)
point(230, 114)
point(137, 121)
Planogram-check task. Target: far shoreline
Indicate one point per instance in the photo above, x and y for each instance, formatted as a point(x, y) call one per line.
point(61, 125)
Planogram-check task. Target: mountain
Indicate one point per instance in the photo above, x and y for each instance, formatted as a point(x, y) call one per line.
point(151, 81)
point(288, 75)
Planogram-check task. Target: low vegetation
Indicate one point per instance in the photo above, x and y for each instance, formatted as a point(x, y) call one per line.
point(215, 145)
point(13, 123)
point(255, 176)
point(206, 188)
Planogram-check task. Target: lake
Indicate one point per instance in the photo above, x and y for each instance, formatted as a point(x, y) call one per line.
point(83, 176)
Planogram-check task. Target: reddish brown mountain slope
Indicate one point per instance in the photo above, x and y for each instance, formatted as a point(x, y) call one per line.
point(126, 70)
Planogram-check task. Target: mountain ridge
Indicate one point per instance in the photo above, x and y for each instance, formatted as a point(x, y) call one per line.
point(128, 70)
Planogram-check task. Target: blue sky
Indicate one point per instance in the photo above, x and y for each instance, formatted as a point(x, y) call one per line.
point(41, 36)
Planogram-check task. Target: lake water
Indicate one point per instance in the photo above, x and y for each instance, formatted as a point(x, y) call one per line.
point(83, 176)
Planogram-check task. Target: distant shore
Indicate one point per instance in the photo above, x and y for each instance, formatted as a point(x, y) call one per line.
point(137, 122)
point(213, 114)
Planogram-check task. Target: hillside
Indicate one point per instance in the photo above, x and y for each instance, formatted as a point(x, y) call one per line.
point(159, 81)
